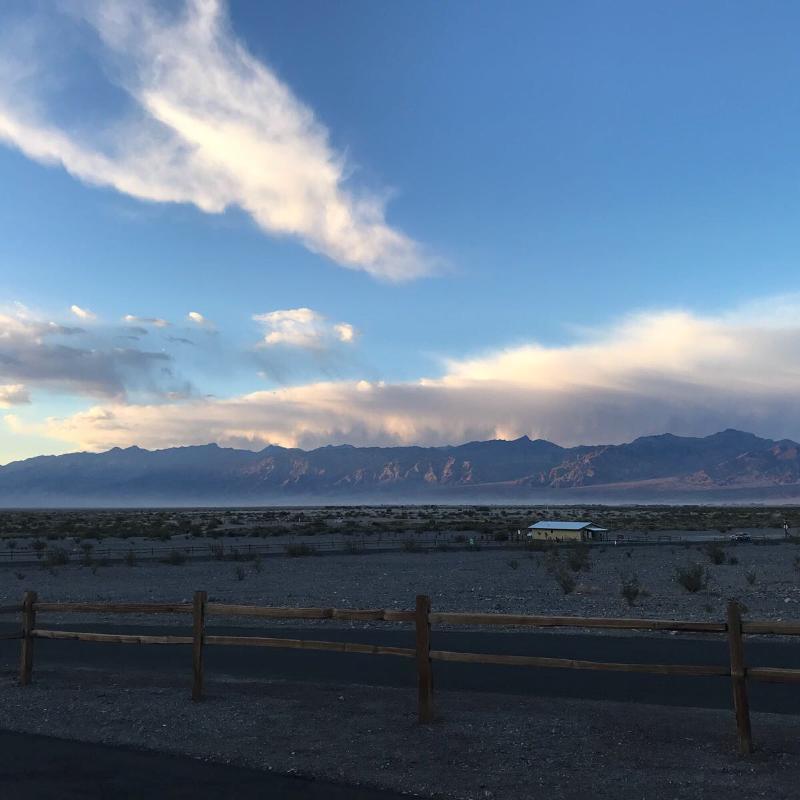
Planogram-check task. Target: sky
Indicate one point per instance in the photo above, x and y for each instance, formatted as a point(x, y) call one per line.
point(309, 223)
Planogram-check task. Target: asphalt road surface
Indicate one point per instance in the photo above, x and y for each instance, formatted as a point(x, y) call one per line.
point(326, 667)
point(44, 768)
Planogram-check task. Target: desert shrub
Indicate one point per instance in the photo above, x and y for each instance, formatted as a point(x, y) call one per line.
point(578, 558)
point(750, 576)
point(500, 536)
point(552, 560)
point(460, 538)
point(258, 564)
point(565, 579)
point(514, 564)
point(473, 545)
point(443, 547)
point(20, 576)
point(411, 546)
point(175, 558)
point(693, 577)
point(715, 552)
point(630, 588)
point(239, 573)
point(55, 557)
point(353, 547)
point(11, 544)
point(86, 554)
point(733, 561)
point(130, 558)
point(38, 547)
point(535, 545)
point(299, 549)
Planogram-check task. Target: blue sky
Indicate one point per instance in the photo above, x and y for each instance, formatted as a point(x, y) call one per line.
point(540, 198)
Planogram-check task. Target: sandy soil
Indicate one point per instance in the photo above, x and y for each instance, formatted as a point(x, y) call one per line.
point(481, 745)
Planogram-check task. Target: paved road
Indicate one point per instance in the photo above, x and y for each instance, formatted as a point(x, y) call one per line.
point(44, 768)
point(248, 662)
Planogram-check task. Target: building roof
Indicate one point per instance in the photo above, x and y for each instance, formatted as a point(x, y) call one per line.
point(558, 525)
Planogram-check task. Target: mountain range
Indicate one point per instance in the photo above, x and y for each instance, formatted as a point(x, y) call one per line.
point(726, 466)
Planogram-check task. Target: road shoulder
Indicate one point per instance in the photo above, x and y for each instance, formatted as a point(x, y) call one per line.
point(482, 745)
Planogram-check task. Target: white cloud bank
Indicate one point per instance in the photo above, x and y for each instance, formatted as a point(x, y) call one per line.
point(303, 327)
point(653, 372)
point(211, 126)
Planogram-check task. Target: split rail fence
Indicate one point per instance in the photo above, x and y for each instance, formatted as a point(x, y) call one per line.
point(424, 654)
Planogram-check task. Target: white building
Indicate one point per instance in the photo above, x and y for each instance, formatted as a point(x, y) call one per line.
point(556, 531)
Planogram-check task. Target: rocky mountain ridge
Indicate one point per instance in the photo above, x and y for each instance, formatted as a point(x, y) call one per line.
point(650, 469)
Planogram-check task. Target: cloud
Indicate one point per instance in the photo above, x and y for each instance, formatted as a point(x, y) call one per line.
point(156, 322)
point(46, 354)
point(344, 331)
point(304, 328)
point(198, 319)
point(652, 372)
point(211, 125)
point(82, 313)
point(13, 394)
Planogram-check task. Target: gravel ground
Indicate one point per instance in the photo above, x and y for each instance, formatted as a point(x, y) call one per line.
point(481, 745)
point(504, 581)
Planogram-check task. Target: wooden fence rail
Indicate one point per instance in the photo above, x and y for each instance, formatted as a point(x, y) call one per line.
point(422, 653)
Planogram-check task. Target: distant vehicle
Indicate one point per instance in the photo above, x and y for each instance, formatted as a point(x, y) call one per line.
point(741, 537)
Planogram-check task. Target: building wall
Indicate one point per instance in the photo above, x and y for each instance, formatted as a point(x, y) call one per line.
point(555, 535)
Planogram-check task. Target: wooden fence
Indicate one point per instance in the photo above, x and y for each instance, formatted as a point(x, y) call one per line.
point(423, 653)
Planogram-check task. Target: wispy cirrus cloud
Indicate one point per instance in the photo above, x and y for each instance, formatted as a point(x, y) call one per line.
point(652, 372)
point(210, 125)
point(156, 322)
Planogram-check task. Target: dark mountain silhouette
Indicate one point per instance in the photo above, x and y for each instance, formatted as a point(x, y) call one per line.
point(730, 465)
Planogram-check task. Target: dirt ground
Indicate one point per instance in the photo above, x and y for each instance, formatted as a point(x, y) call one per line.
point(162, 523)
point(481, 745)
point(510, 581)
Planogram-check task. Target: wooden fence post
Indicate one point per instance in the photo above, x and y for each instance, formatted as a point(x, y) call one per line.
point(199, 623)
point(424, 668)
point(26, 648)
point(741, 704)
